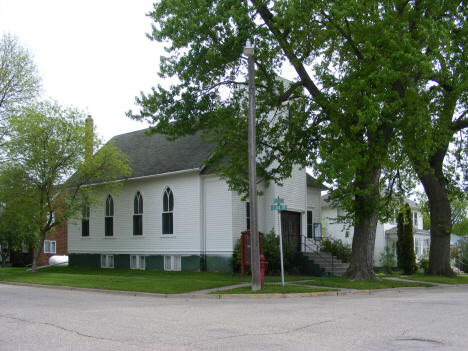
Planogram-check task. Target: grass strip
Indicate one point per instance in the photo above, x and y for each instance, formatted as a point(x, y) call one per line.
point(338, 282)
point(274, 289)
point(150, 281)
point(460, 279)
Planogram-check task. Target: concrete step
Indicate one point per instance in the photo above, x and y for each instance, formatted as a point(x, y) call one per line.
point(324, 261)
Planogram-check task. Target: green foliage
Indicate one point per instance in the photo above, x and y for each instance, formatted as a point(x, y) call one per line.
point(381, 88)
point(459, 217)
point(405, 243)
point(271, 251)
point(20, 81)
point(460, 254)
point(337, 248)
point(46, 145)
point(423, 262)
point(387, 258)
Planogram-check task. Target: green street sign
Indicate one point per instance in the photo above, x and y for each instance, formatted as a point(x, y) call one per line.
point(279, 207)
point(278, 201)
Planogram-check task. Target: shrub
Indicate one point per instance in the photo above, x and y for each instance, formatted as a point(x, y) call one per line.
point(461, 254)
point(423, 262)
point(405, 243)
point(387, 257)
point(337, 248)
point(271, 253)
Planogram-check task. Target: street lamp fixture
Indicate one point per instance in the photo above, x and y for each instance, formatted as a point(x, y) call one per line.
point(249, 49)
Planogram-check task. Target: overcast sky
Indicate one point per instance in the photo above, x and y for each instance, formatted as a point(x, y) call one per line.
point(93, 55)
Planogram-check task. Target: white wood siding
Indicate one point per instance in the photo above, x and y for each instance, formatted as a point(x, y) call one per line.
point(313, 204)
point(218, 216)
point(186, 237)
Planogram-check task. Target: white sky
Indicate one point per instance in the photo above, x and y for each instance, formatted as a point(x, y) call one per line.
point(93, 55)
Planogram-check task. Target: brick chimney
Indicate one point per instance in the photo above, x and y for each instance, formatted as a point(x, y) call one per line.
point(89, 136)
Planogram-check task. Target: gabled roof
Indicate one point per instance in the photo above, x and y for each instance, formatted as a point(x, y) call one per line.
point(152, 155)
point(394, 230)
point(312, 182)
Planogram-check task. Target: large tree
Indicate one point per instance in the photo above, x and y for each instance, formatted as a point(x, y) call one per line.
point(360, 79)
point(20, 81)
point(437, 148)
point(47, 171)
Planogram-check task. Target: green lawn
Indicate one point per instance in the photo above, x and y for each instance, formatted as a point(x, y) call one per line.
point(345, 283)
point(181, 282)
point(274, 289)
point(128, 280)
point(461, 279)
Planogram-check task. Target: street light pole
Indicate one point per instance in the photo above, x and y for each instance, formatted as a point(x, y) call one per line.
point(254, 239)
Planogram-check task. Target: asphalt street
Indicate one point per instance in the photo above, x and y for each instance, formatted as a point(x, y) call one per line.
point(55, 319)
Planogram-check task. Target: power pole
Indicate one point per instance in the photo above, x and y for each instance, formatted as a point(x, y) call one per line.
point(255, 259)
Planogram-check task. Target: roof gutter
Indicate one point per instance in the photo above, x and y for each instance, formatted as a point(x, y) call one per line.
point(166, 174)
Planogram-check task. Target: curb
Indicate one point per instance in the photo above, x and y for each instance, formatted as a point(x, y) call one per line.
point(233, 296)
point(193, 296)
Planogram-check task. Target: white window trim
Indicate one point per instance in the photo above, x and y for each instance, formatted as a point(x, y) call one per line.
point(140, 262)
point(48, 247)
point(172, 263)
point(108, 261)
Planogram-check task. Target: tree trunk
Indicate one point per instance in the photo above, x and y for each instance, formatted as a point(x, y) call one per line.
point(4, 257)
point(361, 266)
point(40, 245)
point(441, 224)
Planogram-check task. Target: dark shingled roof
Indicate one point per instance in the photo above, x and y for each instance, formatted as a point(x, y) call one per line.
point(151, 155)
point(312, 182)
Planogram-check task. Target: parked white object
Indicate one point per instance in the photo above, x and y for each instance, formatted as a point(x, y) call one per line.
point(57, 259)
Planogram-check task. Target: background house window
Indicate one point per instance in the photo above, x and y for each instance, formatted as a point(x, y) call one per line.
point(138, 214)
point(109, 220)
point(168, 212)
point(107, 261)
point(310, 227)
point(247, 214)
point(49, 247)
point(85, 221)
point(25, 247)
point(415, 219)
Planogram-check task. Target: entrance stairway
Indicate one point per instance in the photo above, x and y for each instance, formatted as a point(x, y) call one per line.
point(328, 265)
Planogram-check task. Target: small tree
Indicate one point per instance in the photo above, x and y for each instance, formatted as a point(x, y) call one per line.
point(460, 254)
point(14, 226)
point(20, 82)
point(46, 146)
point(405, 243)
point(387, 258)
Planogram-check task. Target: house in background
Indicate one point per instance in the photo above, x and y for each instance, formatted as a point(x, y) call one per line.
point(56, 243)
point(386, 233)
point(173, 214)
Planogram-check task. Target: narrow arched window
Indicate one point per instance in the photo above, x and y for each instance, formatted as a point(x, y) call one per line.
point(138, 214)
point(109, 220)
point(168, 212)
point(85, 221)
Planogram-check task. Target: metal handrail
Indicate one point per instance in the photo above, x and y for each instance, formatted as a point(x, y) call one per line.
point(335, 240)
point(463, 263)
point(318, 252)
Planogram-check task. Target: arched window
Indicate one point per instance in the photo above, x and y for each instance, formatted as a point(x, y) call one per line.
point(138, 214)
point(109, 220)
point(168, 212)
point(85, 221)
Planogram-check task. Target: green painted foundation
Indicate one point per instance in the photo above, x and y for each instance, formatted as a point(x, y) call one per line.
point(155, 263)
point(84, 260)
point(192, 263)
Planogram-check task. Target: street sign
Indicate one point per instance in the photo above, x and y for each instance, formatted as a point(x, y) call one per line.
point(279, 207)
point(278, 201)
